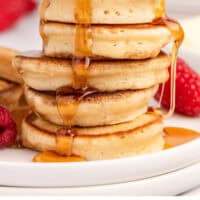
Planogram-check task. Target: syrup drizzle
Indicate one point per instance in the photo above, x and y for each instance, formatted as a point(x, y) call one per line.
point(159, 9)
point(178, 35)
point(68, 99)
point(81, 63)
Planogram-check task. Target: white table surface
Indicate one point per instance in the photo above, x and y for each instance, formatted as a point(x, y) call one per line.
point(25, 35)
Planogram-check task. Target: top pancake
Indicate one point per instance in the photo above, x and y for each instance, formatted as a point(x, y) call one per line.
point(102, 11)
point(6, 70)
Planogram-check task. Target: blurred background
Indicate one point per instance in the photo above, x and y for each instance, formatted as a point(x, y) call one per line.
point(24, 33)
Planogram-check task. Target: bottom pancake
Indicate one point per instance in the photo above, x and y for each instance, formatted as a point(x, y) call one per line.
point(140, 136)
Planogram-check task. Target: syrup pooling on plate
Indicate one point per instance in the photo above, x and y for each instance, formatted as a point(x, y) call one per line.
point(69, 99)
point(49, 156)
point(178, 35)
point(177, 136)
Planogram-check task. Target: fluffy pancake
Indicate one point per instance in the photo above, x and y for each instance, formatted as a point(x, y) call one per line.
point(6, 69)
point(11, 94)
point(48, 74)
point(104, 11)
point(140, 136)
point(117, 42)
point(95, 109)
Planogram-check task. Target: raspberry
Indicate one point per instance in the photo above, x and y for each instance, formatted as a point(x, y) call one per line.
point(187, 90)
point(8, 130)
point(30, 5)
point(12, 10)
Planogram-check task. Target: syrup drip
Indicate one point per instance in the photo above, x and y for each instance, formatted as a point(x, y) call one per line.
point(83, 41)
point(159, 9)
point(81, 72)
point(83, 38)
point(178, 34)
point(64, 141)
point(69, 99)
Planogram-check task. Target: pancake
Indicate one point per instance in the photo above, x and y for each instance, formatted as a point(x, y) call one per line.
point(104, 11)
point(95, 109)
point(117, 42)
point(11, 95)
point(6, 69)
point(140, 136)
point(48, 74)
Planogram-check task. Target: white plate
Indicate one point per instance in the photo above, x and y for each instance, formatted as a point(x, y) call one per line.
point(16, 168)
point(170, 184)
point(186, 9)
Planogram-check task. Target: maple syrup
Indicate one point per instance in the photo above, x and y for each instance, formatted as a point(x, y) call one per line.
point(67, 110)
point(49, 156)
point(177, 136)
point(159, 9)
point(81, 69)
point(178, 34)
point(80, 66)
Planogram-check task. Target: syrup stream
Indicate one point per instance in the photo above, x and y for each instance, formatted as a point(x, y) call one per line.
point(159, 9)
point(69, 99)
point(178, 34)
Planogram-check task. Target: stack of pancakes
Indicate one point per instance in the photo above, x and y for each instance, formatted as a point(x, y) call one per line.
point(110, 51)
point(11, 90)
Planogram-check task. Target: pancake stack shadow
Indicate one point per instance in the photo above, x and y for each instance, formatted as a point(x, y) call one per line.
point(111, 51)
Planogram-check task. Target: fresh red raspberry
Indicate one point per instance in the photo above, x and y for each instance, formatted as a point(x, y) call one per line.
point(8, 130)
point(12, 10)
point(187, 90)
point(30, 5)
